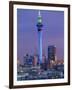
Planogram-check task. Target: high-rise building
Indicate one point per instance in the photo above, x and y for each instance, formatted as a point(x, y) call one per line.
point(28, 60)
point(43, 59)
point(35, 60)
point(51, 53)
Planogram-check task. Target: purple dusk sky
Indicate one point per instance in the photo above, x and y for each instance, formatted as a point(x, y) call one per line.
point(27, 33)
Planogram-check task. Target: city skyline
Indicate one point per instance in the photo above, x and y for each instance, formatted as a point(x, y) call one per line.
point(53, 32)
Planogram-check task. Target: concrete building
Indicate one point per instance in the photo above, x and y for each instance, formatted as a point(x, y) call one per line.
point(39, 27)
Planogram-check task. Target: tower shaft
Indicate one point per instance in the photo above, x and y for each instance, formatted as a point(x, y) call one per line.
point(40, 46)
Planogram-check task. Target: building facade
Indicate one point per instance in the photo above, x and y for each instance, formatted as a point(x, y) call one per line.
point(51, 53)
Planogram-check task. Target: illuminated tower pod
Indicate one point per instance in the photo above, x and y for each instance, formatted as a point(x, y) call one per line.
point(39, 27)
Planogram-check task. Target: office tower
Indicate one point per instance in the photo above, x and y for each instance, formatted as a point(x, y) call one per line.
point(28, 60)
point(51, 53)
point(35, 59)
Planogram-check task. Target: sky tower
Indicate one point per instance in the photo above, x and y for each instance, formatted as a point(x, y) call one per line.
point(39, 27)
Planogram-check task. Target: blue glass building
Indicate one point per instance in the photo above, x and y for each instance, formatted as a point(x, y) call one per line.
point(51, 52)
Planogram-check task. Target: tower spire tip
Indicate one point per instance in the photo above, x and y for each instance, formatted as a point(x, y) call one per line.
point(39, 13)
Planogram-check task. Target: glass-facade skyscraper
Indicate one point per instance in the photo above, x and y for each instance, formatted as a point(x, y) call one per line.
point(51, 52)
